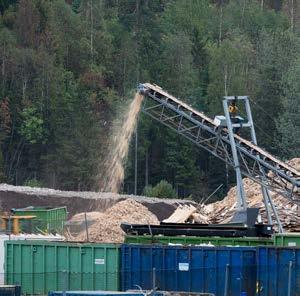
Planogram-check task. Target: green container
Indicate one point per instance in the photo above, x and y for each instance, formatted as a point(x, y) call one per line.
point(48, 220)
point(40, 266)
point(194, 240)
point(287, 239)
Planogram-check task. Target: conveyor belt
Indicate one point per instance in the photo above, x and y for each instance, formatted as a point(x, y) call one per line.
point(222, 230)
point(255, 163)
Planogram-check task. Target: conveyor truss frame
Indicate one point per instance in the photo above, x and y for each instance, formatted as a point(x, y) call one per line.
point(254, 162)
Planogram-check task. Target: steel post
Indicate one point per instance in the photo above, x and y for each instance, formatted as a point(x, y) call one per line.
point(154, 278)
point(265, 192)
point(242, 204)
point(280, 228)
point(254, 140)
point(289, 291)
point(226, 280)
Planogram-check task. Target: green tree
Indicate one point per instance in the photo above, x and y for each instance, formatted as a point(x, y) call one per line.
point(68, 67)
point(276, 54)
point(289, 122)
point(230, 69)
point(32, 128)
point(178, 59)
point(163, 190)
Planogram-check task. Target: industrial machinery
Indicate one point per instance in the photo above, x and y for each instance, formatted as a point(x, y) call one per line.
point(220, 138)
point(221, 230)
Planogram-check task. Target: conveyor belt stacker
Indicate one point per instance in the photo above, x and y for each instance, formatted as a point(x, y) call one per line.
point(243, 155)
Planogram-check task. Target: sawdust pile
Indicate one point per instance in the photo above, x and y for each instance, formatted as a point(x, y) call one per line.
point(89, 215)
point(295, 163)
point(112, 176)
point(289, 213)
point(106, 226)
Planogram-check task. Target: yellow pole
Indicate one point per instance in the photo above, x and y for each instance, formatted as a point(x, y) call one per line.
point(16, 228)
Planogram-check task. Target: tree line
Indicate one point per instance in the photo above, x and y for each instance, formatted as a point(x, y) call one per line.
point(68, 68)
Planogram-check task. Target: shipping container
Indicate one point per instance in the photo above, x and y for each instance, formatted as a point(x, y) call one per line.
point(278, 271)
point(9, 290)
point(195, 240)
point(287, 239)
point(43, 266)
point(94, 293)
point(6, 237)
point(47, 220)
point(128, 293)
point(192, 269)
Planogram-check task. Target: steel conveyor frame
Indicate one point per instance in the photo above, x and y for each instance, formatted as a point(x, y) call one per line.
point(255, 163)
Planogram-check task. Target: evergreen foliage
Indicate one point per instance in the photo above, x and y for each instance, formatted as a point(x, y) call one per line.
point(67, 67)
point(163, 190)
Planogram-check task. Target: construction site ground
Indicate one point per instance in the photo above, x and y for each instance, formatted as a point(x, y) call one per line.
point(79, 201)
point(106, 211)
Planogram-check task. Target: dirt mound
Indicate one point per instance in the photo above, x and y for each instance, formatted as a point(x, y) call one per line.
point(106, 227)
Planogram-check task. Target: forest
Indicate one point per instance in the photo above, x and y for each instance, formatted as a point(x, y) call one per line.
point(70, 68)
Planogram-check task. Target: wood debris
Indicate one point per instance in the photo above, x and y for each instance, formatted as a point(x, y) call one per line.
point(181, 214)
point(106, 226)
point(222, 211)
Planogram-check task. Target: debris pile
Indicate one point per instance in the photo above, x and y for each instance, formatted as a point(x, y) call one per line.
point(222, 211)
point(187, 213)
point(105, 227)
point(295, 163)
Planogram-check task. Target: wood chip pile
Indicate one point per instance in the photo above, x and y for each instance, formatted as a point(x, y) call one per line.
point(105, 227)
point(222, 211)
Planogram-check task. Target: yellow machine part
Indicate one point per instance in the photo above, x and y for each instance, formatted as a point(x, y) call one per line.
point(233, 109)
point(15, 222)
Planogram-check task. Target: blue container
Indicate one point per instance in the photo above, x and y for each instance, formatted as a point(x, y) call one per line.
point(190, 269)
point(278, 271)
point(93, 293)
point(129, 293)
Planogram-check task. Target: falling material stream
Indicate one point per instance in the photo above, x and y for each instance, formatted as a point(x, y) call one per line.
point(113, 176)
